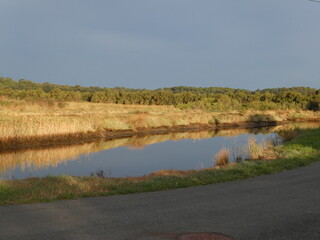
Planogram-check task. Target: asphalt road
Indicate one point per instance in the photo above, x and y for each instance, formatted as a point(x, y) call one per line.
point(279, 206)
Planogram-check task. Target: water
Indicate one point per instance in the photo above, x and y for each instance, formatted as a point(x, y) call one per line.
point(135, 156)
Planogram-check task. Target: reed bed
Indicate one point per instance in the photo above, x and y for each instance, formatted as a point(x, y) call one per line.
point(250, 151)
point(22, 121)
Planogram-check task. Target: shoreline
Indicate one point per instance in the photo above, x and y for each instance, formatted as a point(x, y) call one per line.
point(17, 143)
point(302, 150)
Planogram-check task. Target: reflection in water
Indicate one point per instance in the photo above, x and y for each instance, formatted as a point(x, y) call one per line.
point(34, 160)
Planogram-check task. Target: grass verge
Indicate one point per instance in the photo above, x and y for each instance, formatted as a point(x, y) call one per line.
point(302, 150)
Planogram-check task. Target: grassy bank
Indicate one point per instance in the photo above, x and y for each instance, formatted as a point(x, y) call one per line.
point(27, 124)
point(304, 149)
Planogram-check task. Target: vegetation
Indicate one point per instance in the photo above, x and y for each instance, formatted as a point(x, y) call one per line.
point(37, 114)
point(256, 151)
point(222, 157)
point(27, 124)
point(302, 150)
point(209, 99)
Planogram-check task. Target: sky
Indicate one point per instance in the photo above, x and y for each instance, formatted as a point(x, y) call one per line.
point(249, 44)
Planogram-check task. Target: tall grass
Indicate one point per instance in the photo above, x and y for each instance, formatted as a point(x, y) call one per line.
point(250, 151)
point(255, 150)
point(222, 157)
point(21, 120)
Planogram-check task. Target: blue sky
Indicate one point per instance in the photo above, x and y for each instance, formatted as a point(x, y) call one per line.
point(152, 44)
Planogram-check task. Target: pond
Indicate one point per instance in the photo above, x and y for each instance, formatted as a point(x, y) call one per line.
point(136, 156)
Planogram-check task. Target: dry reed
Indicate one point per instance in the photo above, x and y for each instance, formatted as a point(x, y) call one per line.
point(222, 157)
point(20, 120)
point(255, 149)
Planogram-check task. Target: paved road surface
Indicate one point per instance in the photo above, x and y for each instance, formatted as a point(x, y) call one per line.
point(282, 206)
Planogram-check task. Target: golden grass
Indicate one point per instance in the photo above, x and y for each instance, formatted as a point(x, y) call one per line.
point(34, 119)
point(23, 120)
point(255, 150)
point(264, 150)
point(222, 157)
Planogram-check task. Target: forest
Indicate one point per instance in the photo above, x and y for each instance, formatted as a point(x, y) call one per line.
point(204, 98)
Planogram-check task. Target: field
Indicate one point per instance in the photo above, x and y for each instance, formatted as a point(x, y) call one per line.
point(28, 124)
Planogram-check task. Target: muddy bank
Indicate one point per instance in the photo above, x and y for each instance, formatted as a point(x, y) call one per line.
point(14, 143)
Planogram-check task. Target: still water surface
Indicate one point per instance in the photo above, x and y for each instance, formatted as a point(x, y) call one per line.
point(136, 156)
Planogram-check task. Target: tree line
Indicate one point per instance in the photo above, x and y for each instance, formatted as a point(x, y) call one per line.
point(210, 99)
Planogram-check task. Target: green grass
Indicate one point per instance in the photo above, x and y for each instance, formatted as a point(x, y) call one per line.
point(303, 150)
